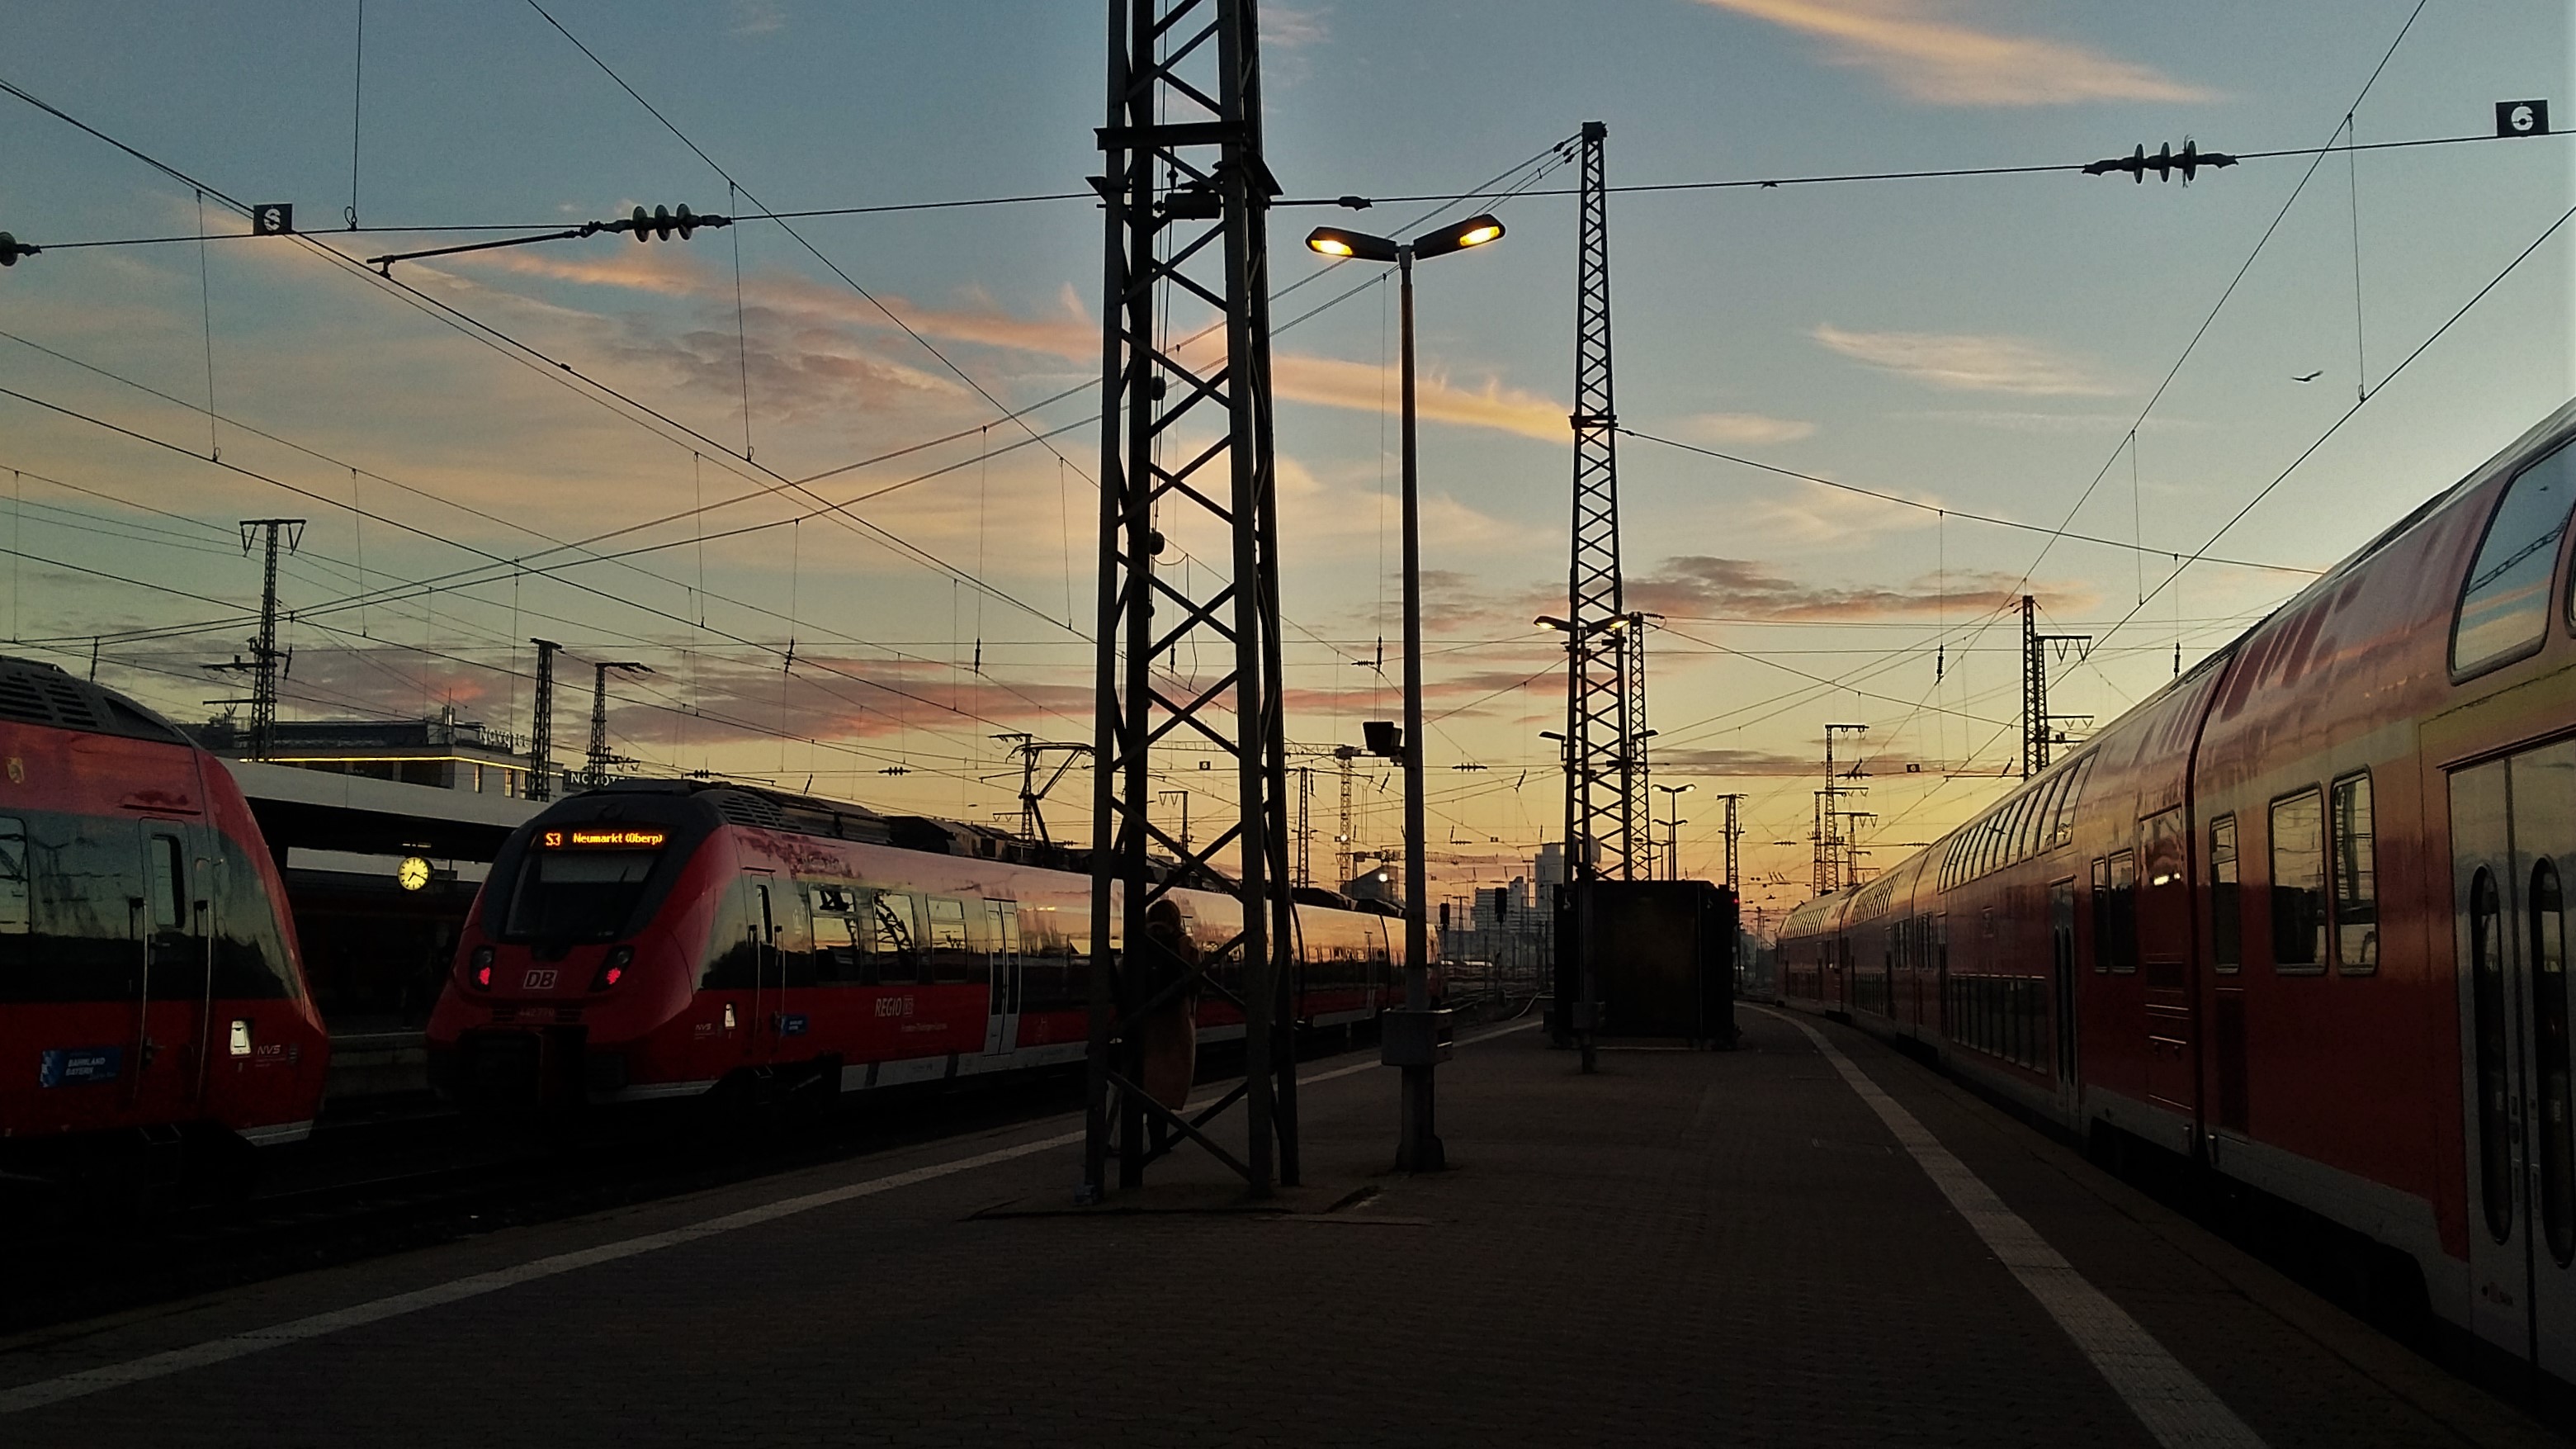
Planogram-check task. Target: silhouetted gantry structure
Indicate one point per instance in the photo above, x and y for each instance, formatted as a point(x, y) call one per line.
point(1186, 452)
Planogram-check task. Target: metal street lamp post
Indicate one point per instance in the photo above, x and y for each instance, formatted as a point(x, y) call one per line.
point(1411, 1040)
point(1673, 812)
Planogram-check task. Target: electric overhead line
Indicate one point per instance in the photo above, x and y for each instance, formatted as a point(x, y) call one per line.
point(469, 326)
point(1742, 183)
point(2199, 555)
point(799, 237)
point(1946, 511)
point(569, 583)
point(537, 361)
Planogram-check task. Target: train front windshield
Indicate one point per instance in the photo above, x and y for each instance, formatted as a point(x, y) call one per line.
point(582, 883)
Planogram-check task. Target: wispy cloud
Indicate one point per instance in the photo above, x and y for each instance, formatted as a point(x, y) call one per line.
point(1739, 764)
point(1948, 63)
point(1971, 362)
point(1701, 586)
point(2039, 422)
point(758, 17)
point(1069, 332)
point(1289, 27)
point(1747, 428)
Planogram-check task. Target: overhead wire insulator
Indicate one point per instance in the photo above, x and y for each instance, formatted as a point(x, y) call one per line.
point(662, 221)
point(11, 249)
point(2164, 163)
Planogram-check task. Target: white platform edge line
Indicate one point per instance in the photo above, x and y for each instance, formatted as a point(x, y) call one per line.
point(218, 1350)
point(2170, 1400)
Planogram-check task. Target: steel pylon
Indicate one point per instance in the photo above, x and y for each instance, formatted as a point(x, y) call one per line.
point(1186, 461)
point(1606, 819)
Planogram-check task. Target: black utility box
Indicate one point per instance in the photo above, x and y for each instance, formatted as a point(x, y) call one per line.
point(1662, 958)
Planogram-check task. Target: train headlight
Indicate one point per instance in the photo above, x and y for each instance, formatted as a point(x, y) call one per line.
point(478, 968)
point(612, 967)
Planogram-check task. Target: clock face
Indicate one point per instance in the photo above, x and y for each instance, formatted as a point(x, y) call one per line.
point(413, 873)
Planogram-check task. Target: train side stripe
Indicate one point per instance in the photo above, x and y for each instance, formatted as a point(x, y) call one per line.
point(221, 1350)
point(2168, 1399)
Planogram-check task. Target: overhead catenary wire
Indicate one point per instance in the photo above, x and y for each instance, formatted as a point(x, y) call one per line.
point(1943, 509)
point(1738, 183)
point(2198, 555)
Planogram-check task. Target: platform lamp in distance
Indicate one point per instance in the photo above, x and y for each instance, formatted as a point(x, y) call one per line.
point(1412, 1035)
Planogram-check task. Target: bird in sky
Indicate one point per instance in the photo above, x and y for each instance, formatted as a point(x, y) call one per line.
point(2311, 377)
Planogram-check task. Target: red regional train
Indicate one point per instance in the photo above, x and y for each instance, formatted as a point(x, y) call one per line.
point(150, 986)
point(2302, 915)
point(664, 938)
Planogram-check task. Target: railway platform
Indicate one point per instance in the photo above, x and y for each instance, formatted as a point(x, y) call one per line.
point(1811, 1240)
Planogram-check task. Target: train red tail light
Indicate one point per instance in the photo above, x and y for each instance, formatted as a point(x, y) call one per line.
point(478, 968)
point(612, 967)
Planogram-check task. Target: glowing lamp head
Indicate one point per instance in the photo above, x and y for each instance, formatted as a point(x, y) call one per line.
point(1338, 242)
point(1475, 231)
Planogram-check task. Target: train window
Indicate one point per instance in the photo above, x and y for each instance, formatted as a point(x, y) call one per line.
point(2226, 924)
point(2298, 883)
point(13, 876)
point(169, 881)
point(2495, 1084)
point(838, 959)
point(898, 939)
point(578, 895)
point(2077, 775)
point(2101, 914)
point(2557, 1209)
point(2504, 604)
point(2356, 891)
point(2124, 912)
point(953, 958)
point(2167, 873)
point(2039, 824)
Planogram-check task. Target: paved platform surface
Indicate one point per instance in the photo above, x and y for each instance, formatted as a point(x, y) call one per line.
point(1740, 1248)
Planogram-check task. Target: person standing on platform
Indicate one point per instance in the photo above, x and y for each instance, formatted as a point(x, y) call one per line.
point(1168, 1035)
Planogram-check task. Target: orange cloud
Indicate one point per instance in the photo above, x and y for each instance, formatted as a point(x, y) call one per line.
point(1949, 64)
point(1070, 333)
point(1970, 362)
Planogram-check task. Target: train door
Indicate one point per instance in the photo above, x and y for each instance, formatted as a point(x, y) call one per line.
point(768, 996)
point(2164, 926)
point(172, 984)
point(2513, 845)
point(1002, 929)
point(2061, 987)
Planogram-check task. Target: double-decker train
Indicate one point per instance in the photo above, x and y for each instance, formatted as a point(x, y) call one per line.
point(149, 984)
point(663, 938)
point(2302, 915)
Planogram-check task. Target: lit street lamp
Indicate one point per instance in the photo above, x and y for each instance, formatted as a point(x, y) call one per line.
point(1673, 809)
point(1410, 1041)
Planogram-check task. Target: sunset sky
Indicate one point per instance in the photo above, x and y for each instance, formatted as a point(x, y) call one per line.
point(1983, 343)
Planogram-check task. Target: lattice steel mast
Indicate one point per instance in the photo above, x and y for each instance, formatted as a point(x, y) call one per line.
point(1606, 820)
point(2036, 721)
point(265, 656)
point(541, 725)
point(1185, 449)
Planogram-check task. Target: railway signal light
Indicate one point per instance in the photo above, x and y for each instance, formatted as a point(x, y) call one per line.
point(2164, 163)
point(1385, 737)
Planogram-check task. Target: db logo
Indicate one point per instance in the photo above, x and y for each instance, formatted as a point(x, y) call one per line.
point(540, 981)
